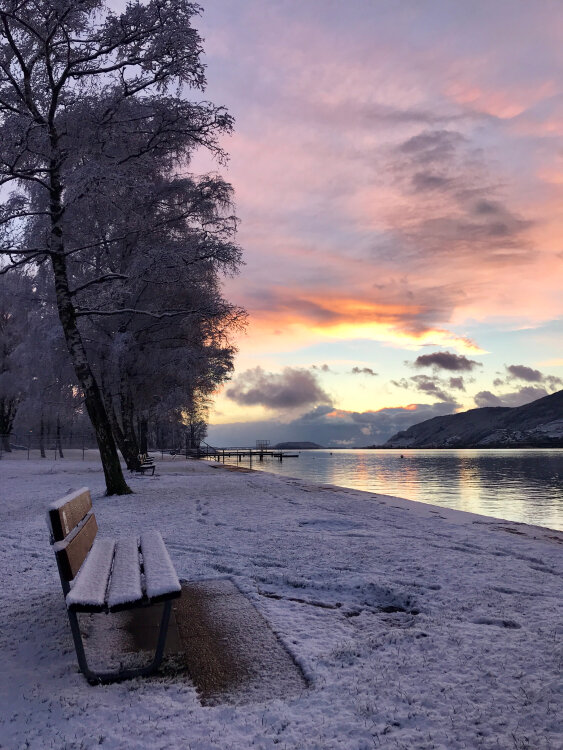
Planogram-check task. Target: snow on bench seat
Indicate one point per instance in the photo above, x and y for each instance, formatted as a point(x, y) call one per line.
point(125, 584)
point(160, 576)
point(110, 577)
point(89, 588)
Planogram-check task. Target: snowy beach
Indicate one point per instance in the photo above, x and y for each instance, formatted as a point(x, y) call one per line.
point(415, 626)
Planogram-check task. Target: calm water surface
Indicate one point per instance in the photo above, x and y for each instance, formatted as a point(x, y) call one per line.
point(519, 485)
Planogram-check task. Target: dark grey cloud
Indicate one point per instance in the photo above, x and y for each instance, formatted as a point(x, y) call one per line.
point(484, 207)
point(321, 368)
point(448, 235)
point(433, 386)
point(524, 395)
point(318, 412)
point(363, 371)
point(423, 181)
point(446, 361)
point(496, 220)
point(457, 383)
point(516, 398)
point(290, 389)
point(331, 427)
point(486, 398)
point(528, 374)
point(525, 373)
point(432, 146)
point(541, 385)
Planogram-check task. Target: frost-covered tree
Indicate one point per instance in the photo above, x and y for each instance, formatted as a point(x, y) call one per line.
point(195, 419)
point(87, 97)
point(160, 329)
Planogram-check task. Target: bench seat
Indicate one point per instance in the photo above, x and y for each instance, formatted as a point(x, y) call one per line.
point(124, 573)
point(107, 575)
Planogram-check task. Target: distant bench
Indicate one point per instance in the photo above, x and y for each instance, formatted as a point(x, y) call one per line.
point(108, 575)
point(144, 463)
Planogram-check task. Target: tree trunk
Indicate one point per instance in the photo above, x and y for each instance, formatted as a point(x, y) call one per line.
point(8, 408)
point(128, 451)
point(42, 437)
point(115, 481)
point(59, 445)
point(112, 416)
point(128, 420)
point(143, 427)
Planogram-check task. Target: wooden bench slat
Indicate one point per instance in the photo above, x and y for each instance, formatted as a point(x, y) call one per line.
point(160, 575)
point(67, 512)
point(72, 555)
point(125, 584)
point(89, 589)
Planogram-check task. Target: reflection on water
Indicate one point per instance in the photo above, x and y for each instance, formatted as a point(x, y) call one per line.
point(519, 485)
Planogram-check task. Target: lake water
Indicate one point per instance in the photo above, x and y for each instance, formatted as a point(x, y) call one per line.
point(518, 485)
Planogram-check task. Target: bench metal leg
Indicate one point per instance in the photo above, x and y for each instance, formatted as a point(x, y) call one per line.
point(119, 674)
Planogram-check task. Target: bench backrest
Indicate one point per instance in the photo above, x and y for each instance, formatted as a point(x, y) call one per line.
point(73, 528)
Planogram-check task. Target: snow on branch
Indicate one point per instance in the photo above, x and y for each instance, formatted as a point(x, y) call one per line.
point(148, 313)
point(99, 280)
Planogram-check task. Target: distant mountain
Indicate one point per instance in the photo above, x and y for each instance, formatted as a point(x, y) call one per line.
point(538, 424)
point(297, 446)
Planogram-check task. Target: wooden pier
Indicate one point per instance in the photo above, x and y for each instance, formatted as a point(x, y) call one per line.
point(256, 454)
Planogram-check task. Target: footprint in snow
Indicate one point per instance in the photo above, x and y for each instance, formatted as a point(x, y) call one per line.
point(510, 624)
point(329, 524)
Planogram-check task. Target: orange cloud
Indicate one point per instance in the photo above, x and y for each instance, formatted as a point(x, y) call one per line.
point(297, 319)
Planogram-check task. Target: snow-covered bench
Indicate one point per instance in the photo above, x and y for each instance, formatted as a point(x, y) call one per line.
point(144, 463)
point(107, 575)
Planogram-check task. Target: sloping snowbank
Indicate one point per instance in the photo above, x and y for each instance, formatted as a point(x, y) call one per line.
point(418, 627)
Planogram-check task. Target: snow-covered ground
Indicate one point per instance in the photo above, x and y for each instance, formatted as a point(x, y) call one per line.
point(417, 627)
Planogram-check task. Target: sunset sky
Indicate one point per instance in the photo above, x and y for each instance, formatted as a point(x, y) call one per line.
point(398, 174)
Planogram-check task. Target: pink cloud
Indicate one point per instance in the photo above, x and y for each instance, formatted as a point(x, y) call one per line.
point(386, 162)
